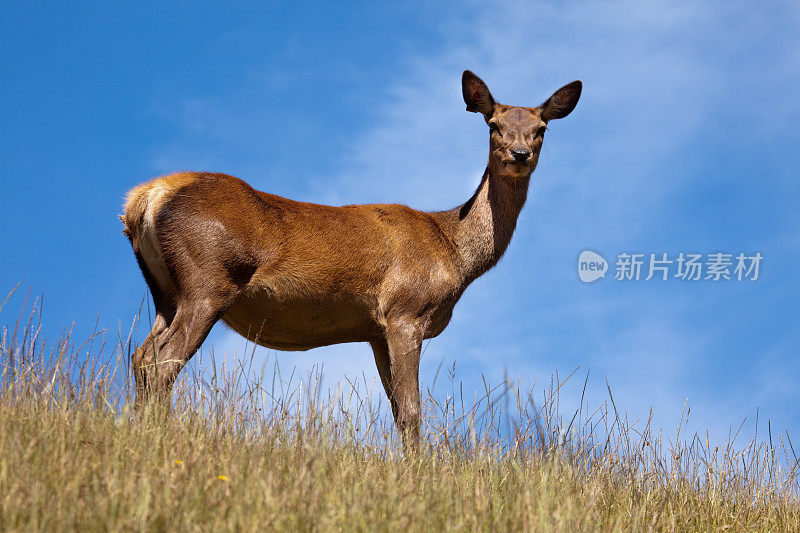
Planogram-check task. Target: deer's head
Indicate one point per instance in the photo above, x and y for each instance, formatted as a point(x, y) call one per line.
point(516, 133)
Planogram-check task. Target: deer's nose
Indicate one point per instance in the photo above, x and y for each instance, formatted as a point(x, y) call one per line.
point(520, 154)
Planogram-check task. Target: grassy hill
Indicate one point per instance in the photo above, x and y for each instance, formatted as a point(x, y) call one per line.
point(234, 453)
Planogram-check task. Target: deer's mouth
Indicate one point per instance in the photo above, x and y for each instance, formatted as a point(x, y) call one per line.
point(517, 167)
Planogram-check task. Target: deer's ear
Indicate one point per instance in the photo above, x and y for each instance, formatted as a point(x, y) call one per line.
point(562, 102)
point(476, 94)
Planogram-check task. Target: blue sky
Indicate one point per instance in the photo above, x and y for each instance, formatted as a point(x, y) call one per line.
point(684, 140)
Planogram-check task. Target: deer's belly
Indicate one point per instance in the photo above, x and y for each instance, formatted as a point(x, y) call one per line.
point(300, 324)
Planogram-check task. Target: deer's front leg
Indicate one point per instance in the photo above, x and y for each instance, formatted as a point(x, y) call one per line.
point(381, 350)
point(404, 339)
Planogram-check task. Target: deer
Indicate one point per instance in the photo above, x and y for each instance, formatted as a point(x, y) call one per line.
point(292, 275)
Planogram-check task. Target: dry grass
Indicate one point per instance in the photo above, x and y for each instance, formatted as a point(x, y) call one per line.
point(242, 452)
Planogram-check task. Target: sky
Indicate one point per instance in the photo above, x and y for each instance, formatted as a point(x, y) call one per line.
point(684, 140)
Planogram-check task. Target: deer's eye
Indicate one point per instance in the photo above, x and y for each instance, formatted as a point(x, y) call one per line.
point(540, 131)
point(494, 128)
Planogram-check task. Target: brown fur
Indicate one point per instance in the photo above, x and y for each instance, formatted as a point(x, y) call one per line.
point(293, 275)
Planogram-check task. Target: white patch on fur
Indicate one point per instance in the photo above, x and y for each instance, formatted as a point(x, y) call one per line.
point(147, 237)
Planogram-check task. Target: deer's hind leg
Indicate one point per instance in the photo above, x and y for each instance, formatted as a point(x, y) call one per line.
point(381, 351)
point(200, 267)
point(144, 358)
point(184, 318)
point(190, 327)
point(171, 345)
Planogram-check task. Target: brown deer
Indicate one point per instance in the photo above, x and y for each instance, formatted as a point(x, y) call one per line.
point(293, 275)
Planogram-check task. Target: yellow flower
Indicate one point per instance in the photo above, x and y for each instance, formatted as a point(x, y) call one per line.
point(222, 478)
point(178, 462)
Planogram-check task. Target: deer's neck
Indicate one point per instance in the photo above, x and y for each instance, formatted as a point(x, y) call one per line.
point(482, 227)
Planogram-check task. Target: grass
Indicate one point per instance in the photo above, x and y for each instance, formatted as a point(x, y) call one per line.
point(238, 451)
